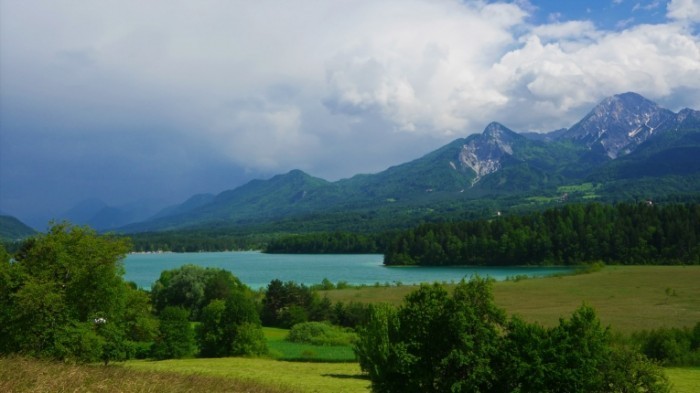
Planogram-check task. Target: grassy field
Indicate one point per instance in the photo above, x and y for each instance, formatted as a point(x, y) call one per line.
point(324, 369)
point(684, 380)
point(293, 376)
point(628, 298)
point(281, 349)
point(296, 367)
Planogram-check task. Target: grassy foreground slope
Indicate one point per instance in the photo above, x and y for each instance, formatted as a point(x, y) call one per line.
point(628, 298)
point(198, 375)
point(219, 375)
point(294, 376)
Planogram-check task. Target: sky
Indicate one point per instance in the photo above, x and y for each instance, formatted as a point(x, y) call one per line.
point(130, 101)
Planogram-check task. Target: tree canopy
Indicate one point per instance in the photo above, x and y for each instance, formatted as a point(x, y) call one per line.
point(63, 296)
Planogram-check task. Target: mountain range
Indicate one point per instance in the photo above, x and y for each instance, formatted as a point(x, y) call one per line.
point(625, 147)
point(99, 215)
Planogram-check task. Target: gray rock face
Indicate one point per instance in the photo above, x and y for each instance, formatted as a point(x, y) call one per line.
point(620, 123)
point(483, 153)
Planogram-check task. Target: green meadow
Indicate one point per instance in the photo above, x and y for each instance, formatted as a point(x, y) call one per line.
point(628, 298)
point(292, 366)
point(684, 380)
point(281, 349)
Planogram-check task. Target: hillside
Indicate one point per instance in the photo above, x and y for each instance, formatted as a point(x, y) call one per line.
point(12, 229)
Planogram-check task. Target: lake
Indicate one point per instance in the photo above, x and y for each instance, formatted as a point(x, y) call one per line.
point(257, 269)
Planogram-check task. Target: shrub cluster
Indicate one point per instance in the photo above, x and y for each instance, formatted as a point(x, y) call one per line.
point(670, 346)
point(436, 342)
point(288, 303)
point(226, 312)
point(321, 333)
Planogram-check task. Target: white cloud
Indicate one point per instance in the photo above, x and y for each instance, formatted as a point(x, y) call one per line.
point(646, 7)
point(263, 137)
point(684, 10)
point(552, 79)
point(423, 71)
point(565, 30)
point(544, 79)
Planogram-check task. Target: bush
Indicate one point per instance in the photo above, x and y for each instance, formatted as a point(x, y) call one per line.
point(320, 333)
point(350, 315)
point(250, 340)
point(671, 346)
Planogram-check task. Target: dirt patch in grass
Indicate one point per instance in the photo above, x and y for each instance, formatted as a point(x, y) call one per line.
point(18, 374)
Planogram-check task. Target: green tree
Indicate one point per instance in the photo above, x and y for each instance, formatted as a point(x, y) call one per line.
point(176, 338)
point(435, 342)
point(242, 324)
point(231, 327)
point(56, 285)
point(377, 351)
point(193, 287)
point(211, 330)
point(289, 303)
point(578, 351)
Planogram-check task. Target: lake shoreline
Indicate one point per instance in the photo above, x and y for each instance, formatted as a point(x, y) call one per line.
point(257, 269)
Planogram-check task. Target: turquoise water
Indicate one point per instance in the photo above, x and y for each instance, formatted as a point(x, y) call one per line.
point(257, 269)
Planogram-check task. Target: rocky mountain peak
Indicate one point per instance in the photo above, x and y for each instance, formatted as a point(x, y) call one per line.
point(688, 114)
point(495, 130)
point(483, 153)
point(619, 124)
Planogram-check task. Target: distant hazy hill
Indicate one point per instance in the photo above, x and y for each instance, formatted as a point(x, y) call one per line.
point(627, 146)
point(12, 229)
point(97, 214)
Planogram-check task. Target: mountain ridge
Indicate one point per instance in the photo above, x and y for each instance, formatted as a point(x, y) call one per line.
point(619, 139)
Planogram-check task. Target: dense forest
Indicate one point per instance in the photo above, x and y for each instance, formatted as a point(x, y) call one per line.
point(329, 243)
point(196, 241)
point(642, 233)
